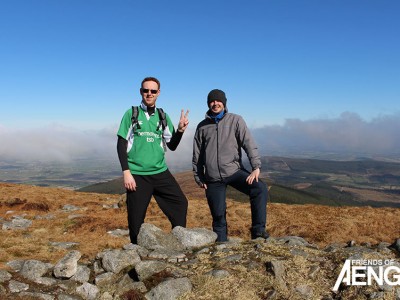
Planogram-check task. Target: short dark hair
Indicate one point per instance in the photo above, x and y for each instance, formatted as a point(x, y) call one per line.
point(152, 79)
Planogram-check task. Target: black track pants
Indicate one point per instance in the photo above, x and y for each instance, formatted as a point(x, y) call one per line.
point(167, 194)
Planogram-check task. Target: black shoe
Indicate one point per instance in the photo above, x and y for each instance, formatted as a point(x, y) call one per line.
point(257, 235)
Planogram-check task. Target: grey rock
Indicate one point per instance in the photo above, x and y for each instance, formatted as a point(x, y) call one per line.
point(218, 273)
point(386, 288)
point(299, 252)
point(277, 268)
point(36, 296)
point(119, 232)
point(170, 254)
point(334, 247)
point(116, 260)
point(221, 247)
point(3, 291)
point(194, 237)
point(17, 224)
point(151, 237)
point(305, 291)
point(45, 217)
point(126, 283)
point(88, 291)
point(383, 246)
point(178, 257)
point(68, 265)
point(33, 269)
point(377, 295)
point(170, 289)
point(294, 241)
point(16, 265)
point(68, 297)
point(82, 274)
point(145, 269)
point(142, 251)
point(47, 281)
point(75, 216)
point(106, 296)
point(116, 272)
point(4, 276)
point(97, 267)
point(104, 278)
point(397, 293)
point(313, 272)
point(357, 251)
point(232, 258)
point(64, 245)
point(17, 287)
point(204, 250)
point(69, 207)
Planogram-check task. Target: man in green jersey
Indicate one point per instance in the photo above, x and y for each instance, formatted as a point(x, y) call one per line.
point(141, 151)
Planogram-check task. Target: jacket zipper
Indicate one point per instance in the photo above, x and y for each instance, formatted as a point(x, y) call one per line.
point(219, 168)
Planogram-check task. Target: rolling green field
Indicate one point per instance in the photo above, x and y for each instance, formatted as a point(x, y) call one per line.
point(312, 181)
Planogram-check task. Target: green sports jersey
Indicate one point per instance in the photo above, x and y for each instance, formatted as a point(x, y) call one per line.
point(146, 149)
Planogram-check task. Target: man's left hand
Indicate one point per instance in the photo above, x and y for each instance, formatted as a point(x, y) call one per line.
point(183, 121)
point(253, 175)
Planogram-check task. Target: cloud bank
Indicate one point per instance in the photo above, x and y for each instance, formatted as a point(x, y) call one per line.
point(347, 134)
point(56, 143)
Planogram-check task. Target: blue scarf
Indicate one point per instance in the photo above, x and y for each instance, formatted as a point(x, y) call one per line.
point(218, 117)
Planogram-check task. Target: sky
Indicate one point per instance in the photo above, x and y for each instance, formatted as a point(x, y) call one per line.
point(305, 75)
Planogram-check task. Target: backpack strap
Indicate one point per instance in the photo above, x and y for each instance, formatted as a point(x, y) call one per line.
point(163, 119)
point(134, 119)
point(163, 123)
point(161, 114)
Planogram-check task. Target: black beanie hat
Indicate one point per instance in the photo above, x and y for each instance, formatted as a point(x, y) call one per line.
point(216, 95)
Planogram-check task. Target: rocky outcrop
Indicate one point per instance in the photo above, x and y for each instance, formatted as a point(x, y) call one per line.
point(188, 264)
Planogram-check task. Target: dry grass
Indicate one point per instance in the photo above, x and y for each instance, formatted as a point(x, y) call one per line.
point(321, 225)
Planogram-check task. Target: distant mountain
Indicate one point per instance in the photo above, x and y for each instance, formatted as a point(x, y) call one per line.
point(359, 166)
point(307, 181)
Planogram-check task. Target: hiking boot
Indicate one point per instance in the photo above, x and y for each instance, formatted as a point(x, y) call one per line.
point(257, 235)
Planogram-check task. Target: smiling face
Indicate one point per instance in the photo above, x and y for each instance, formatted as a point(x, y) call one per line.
point(216, 106)
point(149, 91)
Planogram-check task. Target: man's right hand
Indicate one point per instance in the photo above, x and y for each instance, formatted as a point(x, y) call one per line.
point(203, 185)
point(129, 181)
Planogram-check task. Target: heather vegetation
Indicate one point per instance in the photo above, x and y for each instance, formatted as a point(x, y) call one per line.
point(87, 221)
point(323, 214)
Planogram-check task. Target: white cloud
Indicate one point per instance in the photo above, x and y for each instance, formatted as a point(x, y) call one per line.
point(347, 134)
point(55, 142)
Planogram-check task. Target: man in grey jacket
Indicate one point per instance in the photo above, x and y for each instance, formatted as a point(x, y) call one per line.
point(217, 163)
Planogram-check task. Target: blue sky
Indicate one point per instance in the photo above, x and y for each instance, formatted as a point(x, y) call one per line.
point(79, 64)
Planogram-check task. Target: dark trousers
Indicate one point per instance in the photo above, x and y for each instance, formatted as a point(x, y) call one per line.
point(216, 197)
point(167, 194)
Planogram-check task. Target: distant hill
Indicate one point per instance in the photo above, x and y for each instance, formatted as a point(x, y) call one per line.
point(115, 186)
point(364, 166)
point(307, 181)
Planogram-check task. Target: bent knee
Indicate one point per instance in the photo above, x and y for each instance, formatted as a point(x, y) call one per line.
point(259, 188)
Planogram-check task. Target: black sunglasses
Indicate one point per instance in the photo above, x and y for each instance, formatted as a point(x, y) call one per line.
point(145, 91)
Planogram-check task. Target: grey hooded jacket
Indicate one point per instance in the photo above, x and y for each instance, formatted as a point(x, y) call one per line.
point(217, 148)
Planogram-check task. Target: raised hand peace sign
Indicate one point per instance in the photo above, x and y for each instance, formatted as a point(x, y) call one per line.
point(183, 121)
